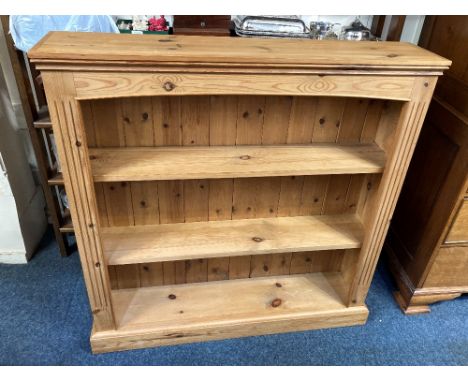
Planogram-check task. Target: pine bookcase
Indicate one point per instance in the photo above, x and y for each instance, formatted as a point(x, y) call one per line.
point(224, 187)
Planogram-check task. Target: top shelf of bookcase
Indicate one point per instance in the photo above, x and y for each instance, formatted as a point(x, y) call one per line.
point(105, 48)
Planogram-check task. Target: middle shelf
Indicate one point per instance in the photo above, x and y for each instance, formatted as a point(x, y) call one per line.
point(185, 241)
point(216, 162)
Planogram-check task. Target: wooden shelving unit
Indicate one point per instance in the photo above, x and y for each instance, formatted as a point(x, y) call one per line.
point(40, 130)
point(229, 192)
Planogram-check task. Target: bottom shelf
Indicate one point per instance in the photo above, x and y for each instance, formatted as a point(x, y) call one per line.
point(184, 313)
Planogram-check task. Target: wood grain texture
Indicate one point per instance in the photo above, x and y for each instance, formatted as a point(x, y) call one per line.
point(257, 204)
point(166, 242)
point(73, 47)
point(104, 119)
point(253, 197)
point(449, 269)
point(166, 121)
point(223, 131)
point(400, 149)
point(147, 317)
point(71, 144)
point(328, 118)
point(140, 164)
point(291, 232)
point(301, 120)
point(412, 300)
point(111, 85)
point(459, 230)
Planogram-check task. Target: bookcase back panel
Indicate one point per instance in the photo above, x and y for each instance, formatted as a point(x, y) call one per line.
point(229, 120)
point(225, 268)
point(179, 201)
point(164, 202)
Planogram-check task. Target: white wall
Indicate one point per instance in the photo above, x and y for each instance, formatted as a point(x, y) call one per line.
point(412, 28)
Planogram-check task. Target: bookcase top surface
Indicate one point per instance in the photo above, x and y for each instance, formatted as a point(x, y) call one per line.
point(106, 48)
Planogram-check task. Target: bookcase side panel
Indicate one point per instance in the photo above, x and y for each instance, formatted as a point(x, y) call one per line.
point(73, 152)
point(399, 146)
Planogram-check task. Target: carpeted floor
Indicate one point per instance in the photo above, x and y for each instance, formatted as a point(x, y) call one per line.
point(45, 320)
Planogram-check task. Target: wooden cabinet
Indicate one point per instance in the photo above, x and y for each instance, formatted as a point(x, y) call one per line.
point(230, 187)
point(202, 25)
point(427, 245)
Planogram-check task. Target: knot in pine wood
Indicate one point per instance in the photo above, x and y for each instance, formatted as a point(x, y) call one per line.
point(257, 239)
point(169, 86)
point(171, 297)
point(245, 157)
point(276, 302)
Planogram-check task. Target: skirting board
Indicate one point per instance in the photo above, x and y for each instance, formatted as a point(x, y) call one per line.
point(13, 257)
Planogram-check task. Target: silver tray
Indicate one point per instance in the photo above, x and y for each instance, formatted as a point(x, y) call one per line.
point(270, 26)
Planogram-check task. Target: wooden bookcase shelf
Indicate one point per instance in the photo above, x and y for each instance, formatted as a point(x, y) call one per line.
point(169, 163)
point(221, 193)
point(186, 241)
point(300, 299)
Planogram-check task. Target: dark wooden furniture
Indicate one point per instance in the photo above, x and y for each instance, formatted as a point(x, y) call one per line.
point(427, 245)
point(202, 25)
point(377, 25)
point(394, 30)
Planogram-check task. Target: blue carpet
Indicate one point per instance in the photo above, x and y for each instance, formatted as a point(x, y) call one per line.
point(45, 320)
